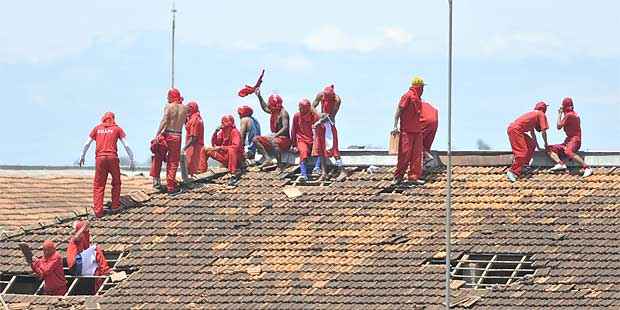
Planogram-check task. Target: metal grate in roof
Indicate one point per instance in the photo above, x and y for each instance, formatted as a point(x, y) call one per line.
point(482, 271)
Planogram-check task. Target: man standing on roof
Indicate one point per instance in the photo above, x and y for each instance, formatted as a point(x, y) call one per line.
point(86, 259)
point(326, 134)
point(410, 146)
point(559, 153)
point(429, 117)
point(194, 137)
point(249, 129)
point(523, 145)
point(106, 136)
point(279, 140)
point(302, 134)
point(49, 269)
point(226, 147)
point(170, 128)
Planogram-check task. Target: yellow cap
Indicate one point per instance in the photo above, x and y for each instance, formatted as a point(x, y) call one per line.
point(417, 81)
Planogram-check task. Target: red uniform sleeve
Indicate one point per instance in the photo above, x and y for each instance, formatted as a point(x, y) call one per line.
point(404, 101)
point(102, 262)
point(93, 133)
point(72, 250)
point(121, 133)
point(542, 121)
point(294, 130)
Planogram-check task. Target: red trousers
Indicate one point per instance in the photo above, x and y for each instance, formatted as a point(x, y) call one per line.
point(305, 150)
point(319, 145)
point(429, 136)
point(282, 143)
point(172, 160)
point(410, 150)
point(567, 149)
point(192, 154)
point(523, 147)
point(103, 166)
point(156, 162)
point(228, 157)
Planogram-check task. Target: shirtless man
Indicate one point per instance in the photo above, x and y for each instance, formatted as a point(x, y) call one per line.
point(170, 128)
point(279, 140)
point(249, 129)
point(326, 145)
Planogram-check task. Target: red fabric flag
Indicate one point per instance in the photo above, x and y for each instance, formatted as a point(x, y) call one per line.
point(247, 90)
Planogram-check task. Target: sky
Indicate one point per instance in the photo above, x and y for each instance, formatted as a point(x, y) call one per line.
point(64, 63)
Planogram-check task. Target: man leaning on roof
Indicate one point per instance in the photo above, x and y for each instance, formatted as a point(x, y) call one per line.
point(106, 136)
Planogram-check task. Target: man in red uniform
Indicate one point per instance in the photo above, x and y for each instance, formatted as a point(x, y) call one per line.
point(570, 122)
point(49, 269)
point(226, 147)
point(106, 136)
point(279, 140)
point(302, 134)
point(78, 245)
point(429, 117)
point(194, 137)
point(410, 145)
point(523, 145)
point(170, 128)
point(326, 134)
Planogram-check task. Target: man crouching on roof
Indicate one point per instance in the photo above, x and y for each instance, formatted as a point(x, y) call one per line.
point(226, 147)
point(279, 141)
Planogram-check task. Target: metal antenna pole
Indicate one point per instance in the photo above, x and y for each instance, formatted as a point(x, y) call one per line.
point(174, 15)
point(449, 181)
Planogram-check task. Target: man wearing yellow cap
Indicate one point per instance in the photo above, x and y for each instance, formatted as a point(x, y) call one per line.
point(410, 145)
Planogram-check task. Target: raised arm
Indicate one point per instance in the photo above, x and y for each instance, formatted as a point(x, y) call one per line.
point(262, 102)
point(317, 100)
point(85, 149)
point(561, 120)
point(164, 122)
point(132, 164)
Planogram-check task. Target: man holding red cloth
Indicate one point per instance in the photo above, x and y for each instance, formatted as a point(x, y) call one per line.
point(194, 137)
point(92, 258)
point(410, 145)
point(226, 147)
point(279, 140)
point(49, 269)
point(326, 134)
point(106, 136)
point(302, 134)
point(559, 153)
point(523, 145)
point(170, 128)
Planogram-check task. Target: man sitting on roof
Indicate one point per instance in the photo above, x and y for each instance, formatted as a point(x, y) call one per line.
point(559, 153)
point(49, 269)
point(326, 135)
point(279, 141)
point(410, 145)
point(523, 145)
point(106, 136)
point(302, 135)
point(226, 147)
point(170, 127)
point(86, 259)
point(249, 129)
point(194, 137)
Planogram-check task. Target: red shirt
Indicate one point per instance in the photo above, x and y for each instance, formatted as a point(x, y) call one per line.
point(530, 121)
point(230, 140)
point(572, 124)
point(106, 137)
point(429, 116)
point(50, 270)
point(410, 104)
point(195, 128)
point(302, 128)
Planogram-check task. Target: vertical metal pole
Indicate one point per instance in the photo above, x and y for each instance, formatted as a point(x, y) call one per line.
point(449, 181)
point(174, 14)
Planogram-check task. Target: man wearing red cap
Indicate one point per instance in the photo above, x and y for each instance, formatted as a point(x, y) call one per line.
point(302, 134)
point(106, 136)
point(91, 257)
point(410, 145)
point(326, 135)
point(429, 117)
point(523, 145)
point(49, 269)
point(194, 137)
point(226, 147)
point(249, 129)
point(170, 128)
point(279, 140)
point(559, 153)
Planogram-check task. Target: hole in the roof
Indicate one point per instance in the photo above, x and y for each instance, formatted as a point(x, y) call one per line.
point(483, 271)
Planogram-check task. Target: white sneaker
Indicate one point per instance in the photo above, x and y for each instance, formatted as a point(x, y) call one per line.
point(512, 177)
point(587, 172)
point(558, 167)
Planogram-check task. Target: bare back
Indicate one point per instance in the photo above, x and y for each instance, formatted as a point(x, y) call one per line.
point(175, 115)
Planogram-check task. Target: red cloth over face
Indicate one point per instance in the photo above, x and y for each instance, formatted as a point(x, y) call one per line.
point(49, 269)
point(410, 104)
point(275, 107)
point(523, 147)
point(194, 128)
point(530, 121)
point(409, 155)
point(429, 117)
point(103, 167)
point(245, 111)
point(174, 95)
point(106, 136)
point(247, 90)
point(567, 105)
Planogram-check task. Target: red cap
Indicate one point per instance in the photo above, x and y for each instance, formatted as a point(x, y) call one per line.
point(174, 95)
point(245, 111)
point(541, 106)
point(275, 102)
